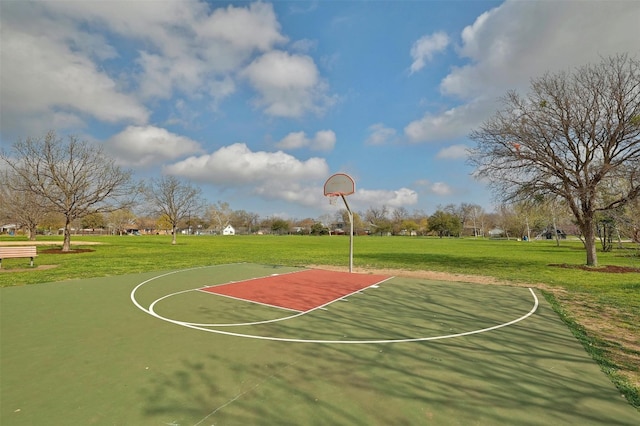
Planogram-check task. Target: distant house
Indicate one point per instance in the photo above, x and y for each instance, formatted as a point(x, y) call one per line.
point(9, 228)
point(496, 233)
point(229, 230)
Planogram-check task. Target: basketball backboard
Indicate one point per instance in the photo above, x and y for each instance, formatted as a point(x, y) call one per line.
point(339, 184)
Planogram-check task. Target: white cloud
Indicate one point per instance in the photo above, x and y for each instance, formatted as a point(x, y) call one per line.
point(236, 165)
point(520, 40)
point(441, 188)
point(450, 124)
point(437, 188)
point(42, 78)
point(299, 193)
point(268, 175)
point(294, 140)
point(380, 135)
point(289, 85)
point(324, 140)
point(453, 152)
point(392, 198)
point(425, 47)
point(59, 58)
point(192, 52)
point(255, 27)
point(149, 145)
point(222, 38)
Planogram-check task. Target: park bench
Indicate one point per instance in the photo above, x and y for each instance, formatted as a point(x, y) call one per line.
point(16, 252)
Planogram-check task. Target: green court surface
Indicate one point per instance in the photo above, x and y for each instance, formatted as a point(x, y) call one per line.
point(150, 349)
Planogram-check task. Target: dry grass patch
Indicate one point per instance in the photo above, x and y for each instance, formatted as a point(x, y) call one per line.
point(612, 330)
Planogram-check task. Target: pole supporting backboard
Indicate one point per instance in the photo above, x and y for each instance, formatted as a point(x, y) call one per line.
point(342, 184)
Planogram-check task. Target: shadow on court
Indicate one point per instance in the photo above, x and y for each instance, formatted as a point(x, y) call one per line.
point(80, 352)
point(472, 380)
point(530, 373)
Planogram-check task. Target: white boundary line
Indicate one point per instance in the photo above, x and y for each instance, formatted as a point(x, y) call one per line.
point(298, 313)
point(201, 290)
point(283, 339)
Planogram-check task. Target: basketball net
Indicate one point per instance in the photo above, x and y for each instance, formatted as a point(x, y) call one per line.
point(333, 199)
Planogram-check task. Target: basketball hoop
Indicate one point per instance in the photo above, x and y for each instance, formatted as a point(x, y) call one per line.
point(341, 185)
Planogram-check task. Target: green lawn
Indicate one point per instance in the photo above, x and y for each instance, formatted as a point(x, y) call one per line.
point(602, 309)
point(526, 262)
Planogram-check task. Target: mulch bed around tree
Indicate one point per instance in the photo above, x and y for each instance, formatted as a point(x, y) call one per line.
point(59, 251)
point(612, 269)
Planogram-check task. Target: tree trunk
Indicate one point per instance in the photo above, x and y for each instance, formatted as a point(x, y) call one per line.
point(66, 244)
point(555, 231)
point(173, 233)
point(588, 230)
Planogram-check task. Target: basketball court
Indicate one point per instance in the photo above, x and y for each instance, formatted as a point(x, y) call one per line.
point(263, 344)
point(310, 294)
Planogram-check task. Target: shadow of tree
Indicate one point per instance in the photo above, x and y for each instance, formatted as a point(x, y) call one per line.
point(531, 373)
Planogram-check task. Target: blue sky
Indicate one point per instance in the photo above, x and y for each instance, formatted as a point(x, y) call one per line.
point(258, 103)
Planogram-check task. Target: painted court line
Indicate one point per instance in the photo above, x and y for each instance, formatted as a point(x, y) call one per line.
point(247, 300)
point(298, 291)
point(381, 341)
point(282, 339)
point(298, 314)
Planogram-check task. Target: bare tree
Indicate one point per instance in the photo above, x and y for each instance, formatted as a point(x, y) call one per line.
point(630, 221)
point(74, 178)
point(473, 214)
point(93, 221)
point(304, 226)
point(399, 216)
point(358, 224)
point(243, 219)
point(121, 220)
point(328, 220)
point(174, 200)
point(421, 218)
point(508, 220)
point(219, 216)
point(568, 138)
point(378, 220)
point(18, 205)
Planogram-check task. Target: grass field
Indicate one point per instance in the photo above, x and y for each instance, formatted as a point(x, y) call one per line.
point(601, 309)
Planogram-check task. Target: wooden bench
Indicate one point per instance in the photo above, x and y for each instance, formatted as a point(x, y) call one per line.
point(16, 252)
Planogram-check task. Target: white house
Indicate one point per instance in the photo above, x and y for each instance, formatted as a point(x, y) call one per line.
point(10, 228)
point(229, 230)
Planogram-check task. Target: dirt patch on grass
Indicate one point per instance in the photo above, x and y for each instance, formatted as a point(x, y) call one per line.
point(35, 268)
point(436, 276)
point(612, 269)
point(429, 275)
